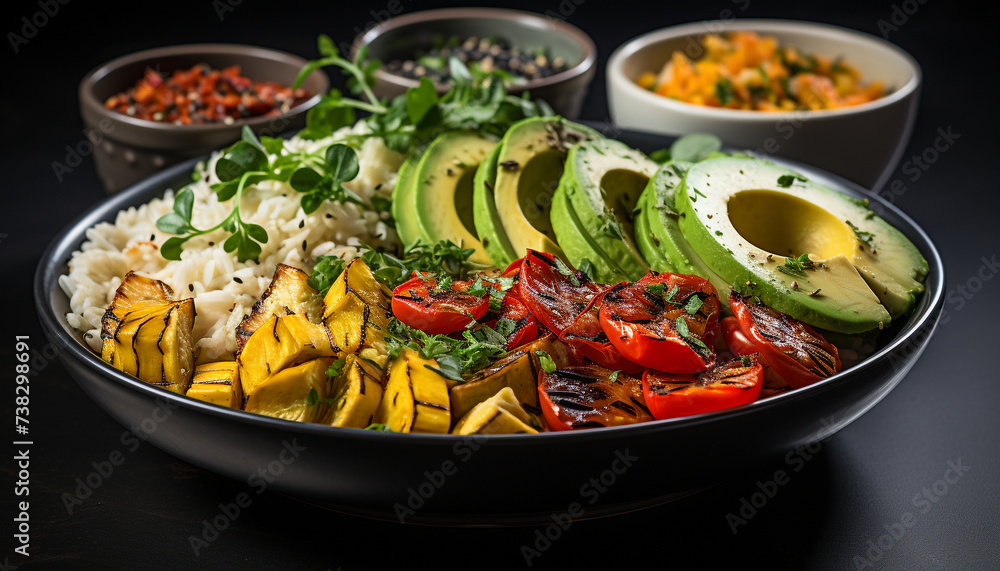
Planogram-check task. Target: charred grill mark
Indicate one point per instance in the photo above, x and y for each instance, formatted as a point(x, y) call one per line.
point(653, 299)
point(166, 323)
point(135, 338)
point(629, 409)
point(640, 404)
point(738, 384)
point(564, 394)
point(573, 405)
point(274, 331)
point(531, 409)
point(431, 404)
point(215, 382)
point(579, 306)
point(546, 296)
point(362, 374)
point(363, 333)
point(570, 374)
point(541, 258)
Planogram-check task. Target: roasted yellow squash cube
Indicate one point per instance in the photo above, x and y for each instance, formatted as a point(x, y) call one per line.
point(217, 383)
point(499, 414)
point(415, 397)
point(356, 310)
point(282, 341)
point(152, 341)
point(286, 394)
point(288, 293)
point(357, 393)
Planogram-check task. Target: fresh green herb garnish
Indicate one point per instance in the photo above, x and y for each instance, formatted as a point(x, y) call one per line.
point(243, 164)
point(545, 360)
point(505, 326)
point(787, 180)
point(694, 303)
point(477, 100)
point(610, 226)
point(613, 377)
point(694, 147)
point(325, 182)
point(657, 288)
point(325, 271)
point(685, 333)
point(863, 236)
point(797, 266)
point(336, 368)
point(745, 360)
point(565, 270)
point(455, 356)
point(377, 427)
point(669, 297)
point(661, 156)
point(444, 256)
point(586, 267)
point(724, 90)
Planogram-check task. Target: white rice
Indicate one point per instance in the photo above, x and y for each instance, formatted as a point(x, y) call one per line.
point(206, 272)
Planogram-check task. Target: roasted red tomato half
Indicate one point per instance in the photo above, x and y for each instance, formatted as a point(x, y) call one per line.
point(793, 349)
point(585, 338)
point(513, 269)
point(420, 303)
point(670, 395)
point(590, 396)
point(525, 324)
point(664, 321)
point(553, 292)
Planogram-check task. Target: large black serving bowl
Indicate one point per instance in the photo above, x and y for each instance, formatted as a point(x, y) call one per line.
point(494, 480)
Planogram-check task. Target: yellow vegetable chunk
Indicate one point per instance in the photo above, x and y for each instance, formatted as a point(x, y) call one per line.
point(133, 288)
point(499, 414)
point(152, 341)
point(217, 383)
point(356, 310)
point(517, 369)
point(282, 341)
point(285, 394)
point(416, 397)
point(288, 293)
point(357, 393)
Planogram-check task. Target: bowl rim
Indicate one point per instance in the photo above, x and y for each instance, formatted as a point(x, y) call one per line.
point(616, 74)
point(69, 238)
point(90, 102)
point(425, 16)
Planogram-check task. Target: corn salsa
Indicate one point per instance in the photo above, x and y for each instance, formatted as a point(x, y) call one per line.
point(743, 70)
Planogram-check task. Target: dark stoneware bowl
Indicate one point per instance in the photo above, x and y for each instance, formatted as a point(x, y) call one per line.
point(495, 480)
point(128, 149)
point(402, 36)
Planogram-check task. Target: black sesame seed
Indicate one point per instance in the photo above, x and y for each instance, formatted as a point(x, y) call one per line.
point(304, 246)
point(190, 287)
point(302, 223)
point(211, 243)
point(152, 237)
point(378, 186)
point(237, 280)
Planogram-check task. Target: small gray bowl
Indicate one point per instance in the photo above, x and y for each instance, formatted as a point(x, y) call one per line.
point(127, 149)
point(401, 37)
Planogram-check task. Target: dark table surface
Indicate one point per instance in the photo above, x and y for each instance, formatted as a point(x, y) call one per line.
point(879, 494)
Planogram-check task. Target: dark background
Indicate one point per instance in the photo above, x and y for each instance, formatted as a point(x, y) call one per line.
point(863, 480)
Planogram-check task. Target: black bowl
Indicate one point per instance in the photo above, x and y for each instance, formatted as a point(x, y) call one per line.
point(495, 480)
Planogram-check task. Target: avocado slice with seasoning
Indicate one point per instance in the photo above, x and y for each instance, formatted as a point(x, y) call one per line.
point(802, 248)
point(438, 204)
point(513, 192)
point(596, 199)
point(402, 201)
point(656, 213)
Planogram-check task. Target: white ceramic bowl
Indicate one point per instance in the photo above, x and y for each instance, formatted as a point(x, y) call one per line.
point(863, 143)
